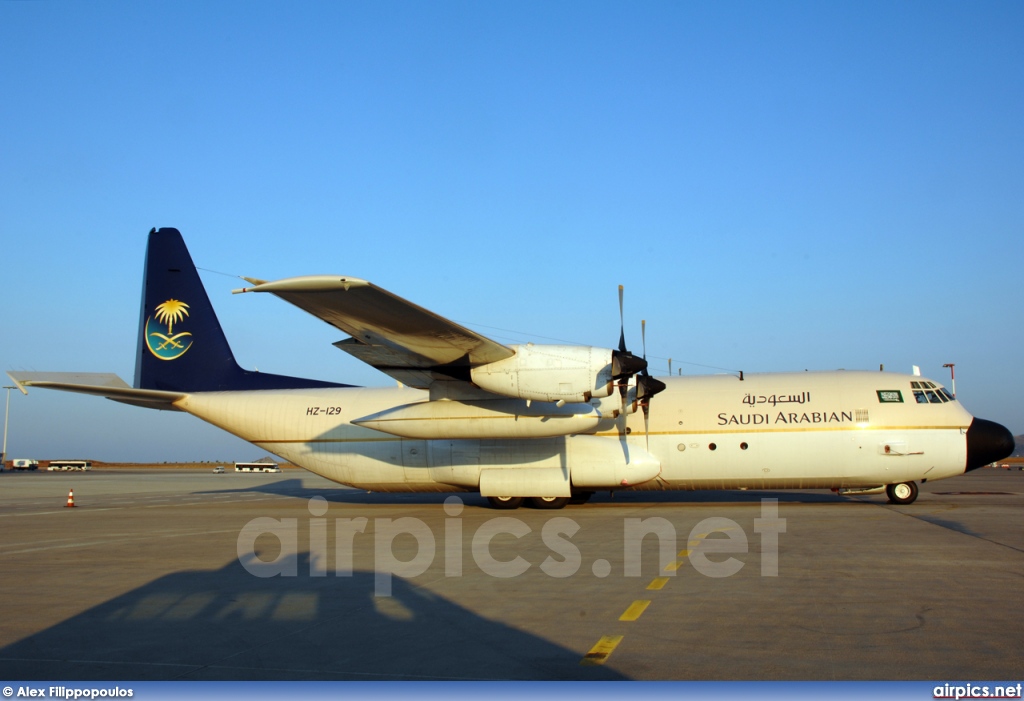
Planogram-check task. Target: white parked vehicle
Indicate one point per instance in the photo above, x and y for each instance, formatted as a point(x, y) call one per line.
point(70, 465)
point(256, 467)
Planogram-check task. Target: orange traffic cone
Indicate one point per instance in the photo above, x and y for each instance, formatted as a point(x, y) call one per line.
point(71, 498)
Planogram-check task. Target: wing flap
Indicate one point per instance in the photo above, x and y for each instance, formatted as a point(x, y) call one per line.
point(388, 361)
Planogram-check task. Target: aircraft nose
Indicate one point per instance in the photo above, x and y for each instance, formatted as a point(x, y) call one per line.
point(987, 442)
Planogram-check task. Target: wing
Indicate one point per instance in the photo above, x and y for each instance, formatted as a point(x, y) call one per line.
point(399, 338)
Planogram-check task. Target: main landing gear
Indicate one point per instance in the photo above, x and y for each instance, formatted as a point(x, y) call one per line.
point(902, 493)
point(548, 502)
point(505, 502)
point(535, 502)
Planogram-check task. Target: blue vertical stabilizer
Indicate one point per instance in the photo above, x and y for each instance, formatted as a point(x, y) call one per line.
point(182, 347)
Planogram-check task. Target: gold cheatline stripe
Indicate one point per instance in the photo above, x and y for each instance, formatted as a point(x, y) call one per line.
point(600, 652)
point(710, 432)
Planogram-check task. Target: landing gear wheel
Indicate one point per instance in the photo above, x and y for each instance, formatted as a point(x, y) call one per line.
point(580, 497)
point(902, 493)
point(505, 502)
point(548, 502)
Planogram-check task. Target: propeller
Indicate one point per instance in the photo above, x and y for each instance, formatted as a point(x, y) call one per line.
point(624, 364)
point(646, 386)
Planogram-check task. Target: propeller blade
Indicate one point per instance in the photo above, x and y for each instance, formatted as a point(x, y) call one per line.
point(643, 336)
point(647, 387)
point(622, 325)
point(647, 424)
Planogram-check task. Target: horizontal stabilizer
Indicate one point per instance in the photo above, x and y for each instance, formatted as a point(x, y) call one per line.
point(101, 384)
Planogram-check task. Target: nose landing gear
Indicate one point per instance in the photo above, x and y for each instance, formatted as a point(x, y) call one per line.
point(902, 493)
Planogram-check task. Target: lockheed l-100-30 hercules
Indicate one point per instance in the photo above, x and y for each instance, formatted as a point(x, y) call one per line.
point(546, 423)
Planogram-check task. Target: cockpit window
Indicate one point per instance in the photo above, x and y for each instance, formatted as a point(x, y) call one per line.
point(930, 393)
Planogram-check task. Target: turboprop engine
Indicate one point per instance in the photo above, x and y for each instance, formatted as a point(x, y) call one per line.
point(544, 390)
point(552, 373)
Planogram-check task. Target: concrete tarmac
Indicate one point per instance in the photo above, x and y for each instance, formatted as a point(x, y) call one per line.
point(161, 574)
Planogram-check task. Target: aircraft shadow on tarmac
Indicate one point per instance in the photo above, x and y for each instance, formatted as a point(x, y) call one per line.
point(285, 488)
point(230, 624)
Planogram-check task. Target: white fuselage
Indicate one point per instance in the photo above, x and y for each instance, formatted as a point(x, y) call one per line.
point(796, 430)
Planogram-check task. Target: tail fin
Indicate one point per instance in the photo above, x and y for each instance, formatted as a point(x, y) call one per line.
point(182, 347)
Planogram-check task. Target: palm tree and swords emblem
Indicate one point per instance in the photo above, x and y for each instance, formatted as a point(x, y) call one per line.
point(170, 345)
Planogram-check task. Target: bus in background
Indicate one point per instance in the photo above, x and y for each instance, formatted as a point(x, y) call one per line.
point(69, 465)
point(257, 466)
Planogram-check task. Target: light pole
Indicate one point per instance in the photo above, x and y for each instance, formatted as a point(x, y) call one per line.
point(952, 376)
point(7, 411)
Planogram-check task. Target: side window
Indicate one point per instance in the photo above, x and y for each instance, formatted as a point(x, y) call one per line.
point(919, 396)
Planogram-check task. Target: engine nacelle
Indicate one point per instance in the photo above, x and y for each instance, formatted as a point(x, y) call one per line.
point(492, 418)
point(549, 373)
point(599, 464)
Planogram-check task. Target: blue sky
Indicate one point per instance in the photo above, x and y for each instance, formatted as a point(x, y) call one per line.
point(779, 186)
